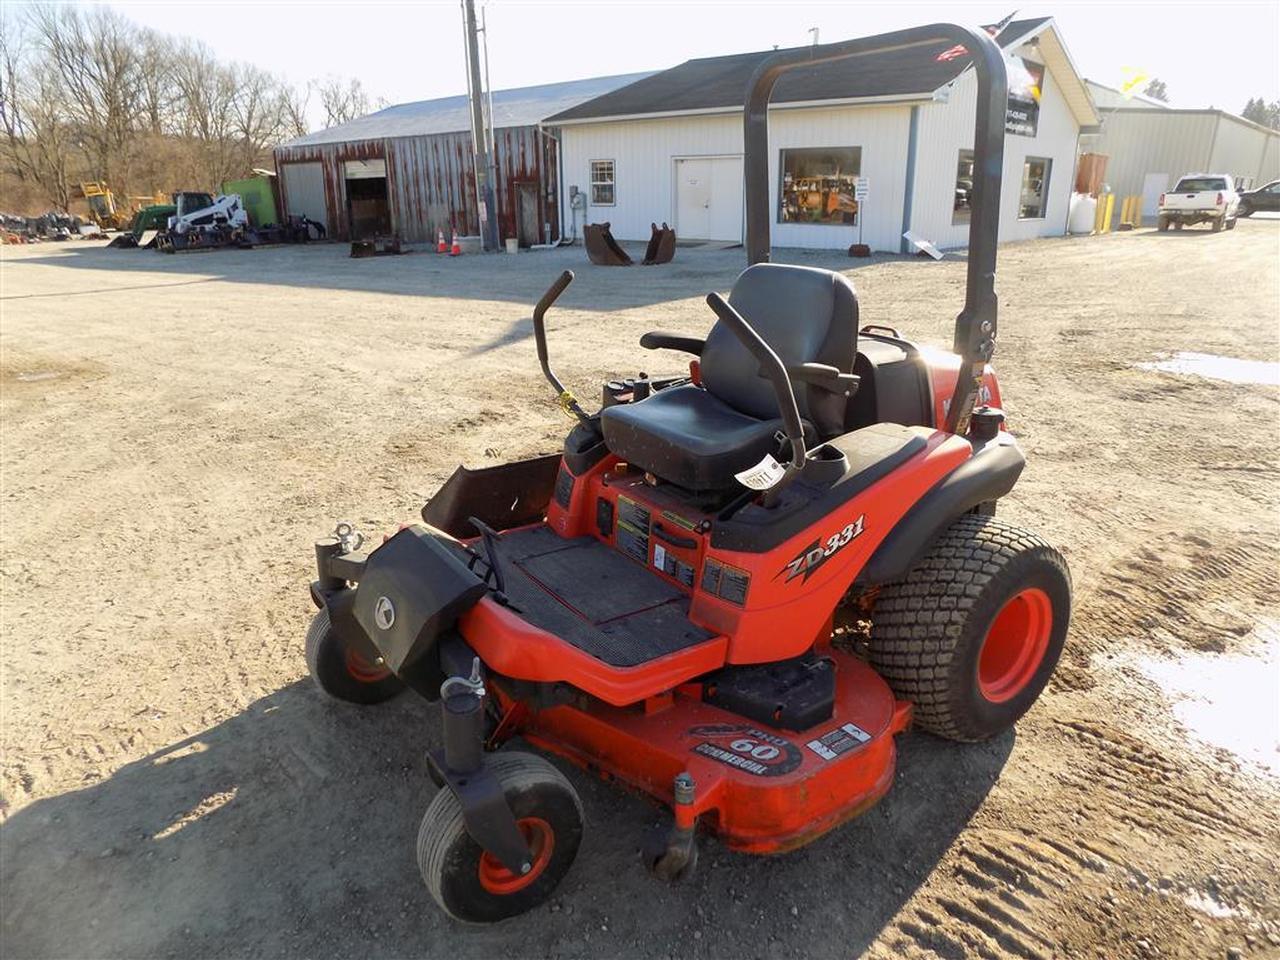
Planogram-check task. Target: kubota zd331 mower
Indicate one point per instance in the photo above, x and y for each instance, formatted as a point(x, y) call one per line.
point(656, 602)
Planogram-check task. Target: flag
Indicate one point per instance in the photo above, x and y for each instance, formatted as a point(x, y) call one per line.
point(960, 50)
point(994, 28)
point(1135, 80)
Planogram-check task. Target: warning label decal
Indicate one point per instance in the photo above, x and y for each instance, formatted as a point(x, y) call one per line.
point(839, 741)
point(747, 748)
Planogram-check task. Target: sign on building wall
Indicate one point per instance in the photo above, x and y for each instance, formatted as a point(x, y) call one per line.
point(1026, 81)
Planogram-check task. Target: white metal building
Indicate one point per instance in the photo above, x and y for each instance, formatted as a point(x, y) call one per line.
point(669, 147)
point(1149, 145)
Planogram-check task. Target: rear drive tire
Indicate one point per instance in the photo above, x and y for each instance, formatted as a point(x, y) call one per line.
point(973, 633)
point(1162, 224)
point(1244, 210)
point(1217, 223)
point(1231, 224)
point(343, 672)
point(471, 885)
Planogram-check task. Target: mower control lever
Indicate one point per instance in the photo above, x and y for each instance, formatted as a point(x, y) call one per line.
point(568, 402)
point(770, 366)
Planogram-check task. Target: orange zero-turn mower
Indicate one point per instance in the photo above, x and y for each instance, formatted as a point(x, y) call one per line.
point(656, 602)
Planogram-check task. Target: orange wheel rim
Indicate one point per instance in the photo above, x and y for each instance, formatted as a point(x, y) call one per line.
point(1015, 645)
point(362, 669)
point(497, 879)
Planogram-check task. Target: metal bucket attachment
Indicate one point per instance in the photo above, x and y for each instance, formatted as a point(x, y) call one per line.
point(602, 249)
point(377, 246)
point(662, 245)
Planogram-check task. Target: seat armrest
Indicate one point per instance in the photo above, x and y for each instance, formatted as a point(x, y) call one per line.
point(823, 376)
point(665, 340)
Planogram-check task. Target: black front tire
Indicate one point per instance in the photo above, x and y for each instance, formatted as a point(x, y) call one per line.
point(346, 674)
point(939, 636)
point(465, 881)
point(1244, 210)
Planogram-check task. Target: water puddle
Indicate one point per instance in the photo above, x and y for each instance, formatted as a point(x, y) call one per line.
point(1217, 368)
point(1228, 700)
point(37, 377)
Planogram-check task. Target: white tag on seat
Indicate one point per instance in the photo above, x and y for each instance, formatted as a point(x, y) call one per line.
point(763, 475)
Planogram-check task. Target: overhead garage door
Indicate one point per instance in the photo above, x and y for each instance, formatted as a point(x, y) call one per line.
point(709, 198)
point(304, 191)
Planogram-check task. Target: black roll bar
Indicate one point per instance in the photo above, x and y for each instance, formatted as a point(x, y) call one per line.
point(975, 331)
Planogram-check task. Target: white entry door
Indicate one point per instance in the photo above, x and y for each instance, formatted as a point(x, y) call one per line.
point(709, 199)
point(1153, 184)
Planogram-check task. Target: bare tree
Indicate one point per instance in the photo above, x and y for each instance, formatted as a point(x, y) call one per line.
point(259, 112)
point(95, 53)
point(342, 100)
point(206, 109)
point(293, 105)
point(37, 133)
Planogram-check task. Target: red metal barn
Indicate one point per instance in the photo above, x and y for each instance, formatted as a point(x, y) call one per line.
point(408, 169)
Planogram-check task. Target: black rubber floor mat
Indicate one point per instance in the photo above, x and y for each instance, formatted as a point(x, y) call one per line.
point(621, 613)
point(598, 581)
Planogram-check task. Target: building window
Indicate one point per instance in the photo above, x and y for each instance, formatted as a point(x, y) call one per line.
point(964, 188)
point(602, 181)
point(818, 185)
point(1035, 188)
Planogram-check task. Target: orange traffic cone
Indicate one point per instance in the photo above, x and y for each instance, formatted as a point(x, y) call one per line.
point(440, 244)
point(456, 249)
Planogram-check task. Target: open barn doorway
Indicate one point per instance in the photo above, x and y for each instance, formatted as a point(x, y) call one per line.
point(368, 210)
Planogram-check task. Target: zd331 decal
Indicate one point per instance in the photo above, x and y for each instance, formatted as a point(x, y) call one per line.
point(820, 551)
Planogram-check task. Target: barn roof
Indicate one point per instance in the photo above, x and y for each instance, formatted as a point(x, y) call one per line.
point(524, 106)
point(719, 83)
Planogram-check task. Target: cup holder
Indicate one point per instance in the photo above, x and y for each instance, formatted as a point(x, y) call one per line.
point(825, 464)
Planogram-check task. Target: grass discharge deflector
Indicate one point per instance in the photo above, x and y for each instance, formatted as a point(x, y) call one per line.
point(657, 602)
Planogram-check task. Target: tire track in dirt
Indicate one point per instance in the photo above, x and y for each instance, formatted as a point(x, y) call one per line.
point(1004, 897)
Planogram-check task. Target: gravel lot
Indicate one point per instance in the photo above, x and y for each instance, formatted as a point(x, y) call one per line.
point(176, 430)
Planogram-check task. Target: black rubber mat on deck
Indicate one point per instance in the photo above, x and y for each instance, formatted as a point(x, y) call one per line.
point(621, 613)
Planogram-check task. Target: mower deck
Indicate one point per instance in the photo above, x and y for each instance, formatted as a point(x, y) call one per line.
point(761, 790)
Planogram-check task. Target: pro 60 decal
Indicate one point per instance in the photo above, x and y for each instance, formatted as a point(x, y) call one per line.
point(746, 748)
point(820, 551)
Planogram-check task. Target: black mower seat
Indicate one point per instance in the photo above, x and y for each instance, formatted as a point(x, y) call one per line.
point(699, 437)
point(689, 437)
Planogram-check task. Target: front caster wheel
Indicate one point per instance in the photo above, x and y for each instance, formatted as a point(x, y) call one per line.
point(472, 885)
point(671, 855)
point(342, 671)
point(973, 633)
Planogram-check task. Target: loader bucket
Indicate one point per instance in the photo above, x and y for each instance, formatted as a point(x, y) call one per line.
point(602, 249)
point(662, 245)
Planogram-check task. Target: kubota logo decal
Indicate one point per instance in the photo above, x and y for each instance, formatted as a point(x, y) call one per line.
point(819, 552)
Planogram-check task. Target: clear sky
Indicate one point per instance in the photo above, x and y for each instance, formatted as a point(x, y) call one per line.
point(1209, 54)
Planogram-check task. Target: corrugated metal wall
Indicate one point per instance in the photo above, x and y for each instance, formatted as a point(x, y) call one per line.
point(1175, 142)
point(431, 181)
point(1241, 150)
point(946, 128)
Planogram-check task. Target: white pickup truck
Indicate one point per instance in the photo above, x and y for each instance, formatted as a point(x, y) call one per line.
point(1199, 197)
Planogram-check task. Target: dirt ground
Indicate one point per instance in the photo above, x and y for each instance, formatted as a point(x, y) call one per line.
point(177, 430)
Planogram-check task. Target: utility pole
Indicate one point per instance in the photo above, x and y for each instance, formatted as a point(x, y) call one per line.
point(479, 138)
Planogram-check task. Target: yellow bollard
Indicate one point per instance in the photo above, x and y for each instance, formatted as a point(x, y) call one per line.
point(1106, 218)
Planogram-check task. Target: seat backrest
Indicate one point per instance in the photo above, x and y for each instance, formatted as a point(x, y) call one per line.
point(806, 315)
